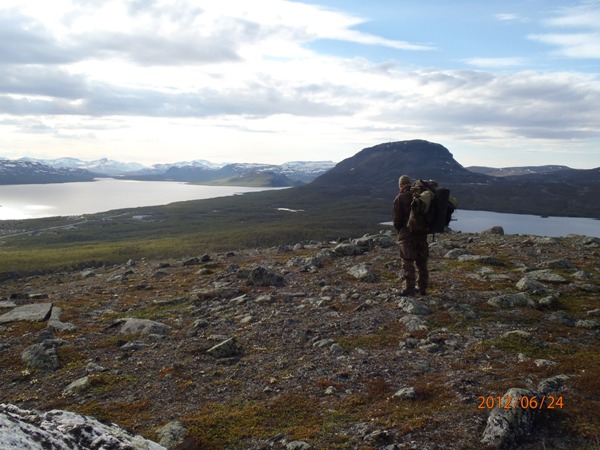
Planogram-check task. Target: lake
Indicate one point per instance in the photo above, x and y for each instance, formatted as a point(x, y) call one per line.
point(30, 201)
point(477, 221)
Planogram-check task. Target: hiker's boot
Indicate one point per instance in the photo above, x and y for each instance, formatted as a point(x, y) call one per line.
point(408, 293)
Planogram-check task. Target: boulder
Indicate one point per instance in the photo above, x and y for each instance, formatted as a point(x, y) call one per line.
point(42, 356)
point(144, 326)
point(62, 430)
point(262, 276)
point(546, 276)
point(171, 434)
point(512, 301)
point(363, 272)
point(506, 425)
point(37, 312)
point(225, 349)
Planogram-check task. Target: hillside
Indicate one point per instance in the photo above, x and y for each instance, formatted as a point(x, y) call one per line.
point(309, 346)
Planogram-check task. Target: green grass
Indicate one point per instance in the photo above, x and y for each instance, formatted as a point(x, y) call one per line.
point(187, 228)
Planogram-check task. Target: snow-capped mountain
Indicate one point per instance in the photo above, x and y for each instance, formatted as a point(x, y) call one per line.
point(103, 166)
point(288, 174)
point(31, 172)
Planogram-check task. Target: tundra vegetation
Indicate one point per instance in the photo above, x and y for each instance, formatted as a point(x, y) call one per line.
point(307, 343)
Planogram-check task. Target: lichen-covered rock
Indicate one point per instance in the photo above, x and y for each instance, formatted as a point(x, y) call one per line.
point(43, 356)
point(506, 425)
point(363, 272)
point(62, 430)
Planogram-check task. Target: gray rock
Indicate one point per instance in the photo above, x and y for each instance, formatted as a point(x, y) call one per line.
point(408, 393)
point(298, 445)
point(363, 272)
point(548, 302)
point(505, 426)
point(63, 430)
point(92, 367)
point(512, 301)
point(78, 385)
point(588, 287)
point(43, 356)
point(54, 322)
point(556, 264)
point(347, 249)
point(582, 275)
point(457, 253)
point(560, 317)
point(87, 274)
point(171, 434)
point(413, 323)
point(532, 286)
point(7, 304)
point(552, 385)
point(589, 324)
point(37, 312)
point(544, 363)
point(414, 307)
point(225, 349)
point(495, 231)
point(144, 326)
point(262, 276)
point(546, 275)
point(464, 312)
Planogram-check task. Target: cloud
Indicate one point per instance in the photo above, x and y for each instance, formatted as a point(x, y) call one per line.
point(24, 40)
point(495, 62)
point(584, 39)
point(509, 17)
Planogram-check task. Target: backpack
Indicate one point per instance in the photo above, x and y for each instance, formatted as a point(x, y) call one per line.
point(431, 208)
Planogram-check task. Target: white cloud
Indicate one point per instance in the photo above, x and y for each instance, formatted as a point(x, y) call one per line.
point(582, 40)
point(206, 79)
point(509, 17)
point(495, 62)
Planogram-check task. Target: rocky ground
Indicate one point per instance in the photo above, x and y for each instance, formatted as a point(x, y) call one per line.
point(311, 346)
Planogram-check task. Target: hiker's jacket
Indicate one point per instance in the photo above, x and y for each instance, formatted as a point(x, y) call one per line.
point(401, 212)
point(413, 246)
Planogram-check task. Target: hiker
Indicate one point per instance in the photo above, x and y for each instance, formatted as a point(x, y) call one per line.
point(414, 249)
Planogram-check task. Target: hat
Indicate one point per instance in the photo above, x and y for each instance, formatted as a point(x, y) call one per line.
point(404, 179)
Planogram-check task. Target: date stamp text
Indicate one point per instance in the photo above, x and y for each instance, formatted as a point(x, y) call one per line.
point(523, 402)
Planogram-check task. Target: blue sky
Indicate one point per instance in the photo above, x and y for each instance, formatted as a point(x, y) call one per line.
point(500, 84)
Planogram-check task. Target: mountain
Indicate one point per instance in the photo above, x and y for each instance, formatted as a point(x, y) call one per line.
point(373, 173)
point(30, 172)
point(288, 174)
point(198, 171)
point(375, 170)
point(103, 166)
point(515, 171)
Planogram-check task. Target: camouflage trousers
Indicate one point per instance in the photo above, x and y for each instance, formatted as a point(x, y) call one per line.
point(415, 253)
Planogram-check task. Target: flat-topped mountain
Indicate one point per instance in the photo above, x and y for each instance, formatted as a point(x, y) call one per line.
point(376, 169)
point(374, 172)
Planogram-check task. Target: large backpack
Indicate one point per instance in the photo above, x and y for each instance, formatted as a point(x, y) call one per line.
point(431, 208)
